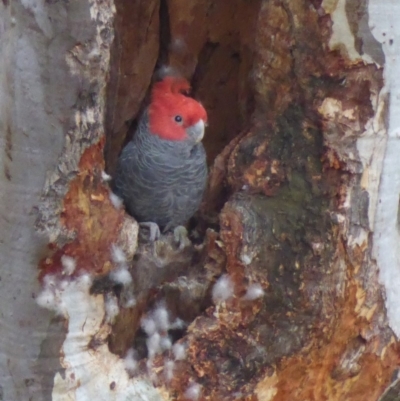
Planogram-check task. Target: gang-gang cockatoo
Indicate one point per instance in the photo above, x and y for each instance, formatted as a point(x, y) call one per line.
point(162, 172)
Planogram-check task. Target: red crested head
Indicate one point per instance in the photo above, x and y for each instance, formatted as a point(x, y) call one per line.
point(172, 115)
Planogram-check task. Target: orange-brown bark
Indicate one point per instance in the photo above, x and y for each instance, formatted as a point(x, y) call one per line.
point(89, 215)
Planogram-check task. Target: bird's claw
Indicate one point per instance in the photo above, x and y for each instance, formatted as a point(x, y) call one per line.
point(181, 237)
point(154, 230)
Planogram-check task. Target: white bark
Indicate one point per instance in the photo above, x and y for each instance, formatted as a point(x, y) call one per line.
point(31, 139)
point(379, 146)
point(385, 28)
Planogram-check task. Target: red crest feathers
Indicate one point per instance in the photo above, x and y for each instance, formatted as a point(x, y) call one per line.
point(167, 102)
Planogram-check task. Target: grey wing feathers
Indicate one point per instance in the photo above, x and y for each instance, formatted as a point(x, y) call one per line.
point(159, 184)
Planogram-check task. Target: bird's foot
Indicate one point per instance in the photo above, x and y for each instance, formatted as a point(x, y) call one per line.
point(181, 237)
point(154, 230)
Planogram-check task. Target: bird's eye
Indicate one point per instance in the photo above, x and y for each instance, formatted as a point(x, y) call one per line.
point(178, 119)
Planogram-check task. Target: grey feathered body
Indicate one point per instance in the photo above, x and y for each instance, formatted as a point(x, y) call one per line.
point(159, 180)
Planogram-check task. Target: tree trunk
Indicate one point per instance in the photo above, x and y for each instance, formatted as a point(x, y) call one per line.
point(289, 290)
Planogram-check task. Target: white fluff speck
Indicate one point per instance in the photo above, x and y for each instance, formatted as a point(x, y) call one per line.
point(149, 364)
point(148, 325)
point(165, 343)
point(52, 296)
point(169, 369)
point(246, 259)
point(121, 276)
point(62, 285)
point(50, 281)
point(161, 317)
point(153, 345)
point(84, 280)
point(166, 70)
point(179, 351)
point(116, 200)
point(49, 297)
point(193, 392)
point(178, 324)
point(130, 361)
point(46, 299)
point(254, 291)
point(223, 289)
point(68, 264)
point(130, 303)
point(117, 254)
point(105, 176)
point(178, 45)
point(111, 307)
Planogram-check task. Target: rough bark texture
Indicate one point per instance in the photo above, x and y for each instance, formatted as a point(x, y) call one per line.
point(296, 217)
point(133, 58)
point(296, 140)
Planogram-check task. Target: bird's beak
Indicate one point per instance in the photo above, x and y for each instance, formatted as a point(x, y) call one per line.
point(196, 131)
